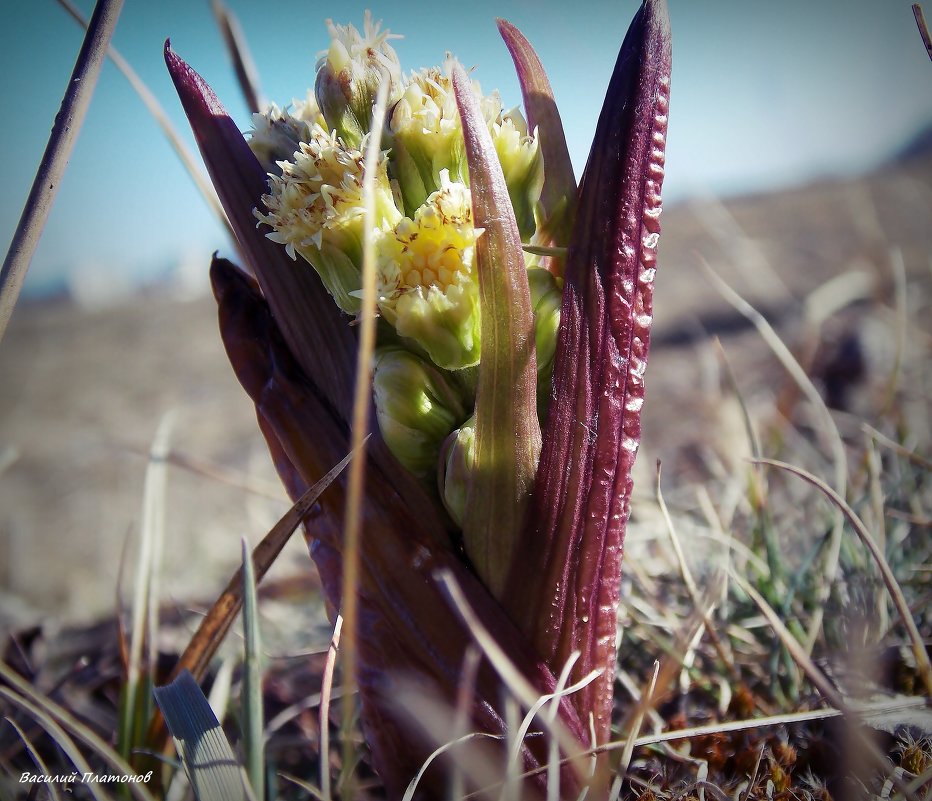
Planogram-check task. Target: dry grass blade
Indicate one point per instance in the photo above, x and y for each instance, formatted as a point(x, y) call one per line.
point(780, 350)
point(217, 621)
point(465, 695)
point(784, 719)
point(57, 733)
point(150, 101)
point(553, 754)
point(923, 28)
point(835, 443)
point(355, 494)
point(51, 170)
point(326, 693)
point(223, 475)
point(774, 562)
point(625, 760)
point(36, 758)
point(796, 650)
point(889, 580)
point(895, 446)
point(690, 582)
point(519, 686)
point(52, 715)
point(898, 268)
point(550, 700)
point(243, 64)
point(412, 787)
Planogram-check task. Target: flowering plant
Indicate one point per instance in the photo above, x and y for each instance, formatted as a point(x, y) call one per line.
point(513, 321)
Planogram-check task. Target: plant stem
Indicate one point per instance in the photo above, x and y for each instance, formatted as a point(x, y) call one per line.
point(51, 170)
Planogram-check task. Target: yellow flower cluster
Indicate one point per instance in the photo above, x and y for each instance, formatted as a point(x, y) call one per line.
point(427, 279)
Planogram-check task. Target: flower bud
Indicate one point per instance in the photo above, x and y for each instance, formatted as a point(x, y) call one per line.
point(349, 75)
point(546, 298)
point(523, 167)
point(426, 137)
point(277, 133)
point(457, 458)
point(426, 278)
point(417, 407)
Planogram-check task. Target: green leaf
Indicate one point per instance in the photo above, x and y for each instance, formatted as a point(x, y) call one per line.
point(507, 429)
point(203, 748)
point(253, 737)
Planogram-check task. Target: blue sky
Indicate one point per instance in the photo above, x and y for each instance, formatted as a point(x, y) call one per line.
point(765, 94)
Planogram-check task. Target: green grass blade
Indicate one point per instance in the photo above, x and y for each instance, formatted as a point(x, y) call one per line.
point(136, 700)
point(253, 737)
point(204, 750)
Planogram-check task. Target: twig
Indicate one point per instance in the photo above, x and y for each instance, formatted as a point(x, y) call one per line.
point(51, 170)
point(923, 28)
point(243, 64)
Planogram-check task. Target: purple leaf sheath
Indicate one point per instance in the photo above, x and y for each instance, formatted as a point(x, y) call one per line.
point(407, 628)
point(542, 114)
point(567, 582)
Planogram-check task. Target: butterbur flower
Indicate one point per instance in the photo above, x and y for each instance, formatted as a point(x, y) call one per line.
point(315, 208)
point(277, 133)
point(426, 278)
point(349, 74)
point(477, 340)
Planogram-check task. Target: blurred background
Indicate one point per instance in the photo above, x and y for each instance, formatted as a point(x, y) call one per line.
point(798, 155)
point(765, 95)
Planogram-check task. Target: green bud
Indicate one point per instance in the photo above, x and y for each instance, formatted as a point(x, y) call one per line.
point(457, 459)
point(523, 167)
point(427, 137)
point(349, 75)
point(546, 298)
point(417, 406)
